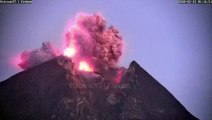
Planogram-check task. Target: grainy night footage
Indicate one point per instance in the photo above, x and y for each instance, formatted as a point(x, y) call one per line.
point(100, 60)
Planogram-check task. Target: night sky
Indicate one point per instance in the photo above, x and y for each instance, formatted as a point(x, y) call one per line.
point(172, 41)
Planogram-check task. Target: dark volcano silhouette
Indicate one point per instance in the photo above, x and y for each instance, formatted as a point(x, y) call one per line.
point(54, 90)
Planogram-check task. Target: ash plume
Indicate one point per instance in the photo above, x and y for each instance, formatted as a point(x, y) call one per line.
point(90, 41)
point(37, 56)
point(95, 41)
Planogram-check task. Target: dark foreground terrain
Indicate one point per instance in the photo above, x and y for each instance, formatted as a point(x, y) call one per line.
point(55, 91)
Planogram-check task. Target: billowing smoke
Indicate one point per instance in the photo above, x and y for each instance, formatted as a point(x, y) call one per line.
point(91, 44)
point(37, 56)
point(94, 42)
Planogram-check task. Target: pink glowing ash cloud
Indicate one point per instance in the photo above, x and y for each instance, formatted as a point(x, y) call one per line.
point(90, 39)
point(90, 43)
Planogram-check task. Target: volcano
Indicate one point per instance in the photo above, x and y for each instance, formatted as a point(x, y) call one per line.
point(53, 90)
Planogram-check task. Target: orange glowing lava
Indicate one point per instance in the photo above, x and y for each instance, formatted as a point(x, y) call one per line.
point(85, 67)
point(69, 52)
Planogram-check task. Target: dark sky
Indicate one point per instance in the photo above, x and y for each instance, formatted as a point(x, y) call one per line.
point(173, 42)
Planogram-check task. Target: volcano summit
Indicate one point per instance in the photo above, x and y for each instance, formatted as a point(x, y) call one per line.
point(54, 90)
point(85, 83)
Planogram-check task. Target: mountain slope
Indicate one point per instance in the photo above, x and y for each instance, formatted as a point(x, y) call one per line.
point(54, 90)
point(151, 99)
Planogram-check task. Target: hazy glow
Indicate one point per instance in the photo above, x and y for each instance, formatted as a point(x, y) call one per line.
point(85, 67)
point(69, 52)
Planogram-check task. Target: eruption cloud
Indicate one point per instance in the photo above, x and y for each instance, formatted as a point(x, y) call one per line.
point(90, 43)
point(37, 56)
point(90, 40)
